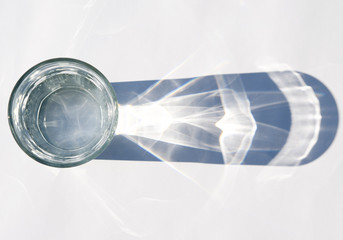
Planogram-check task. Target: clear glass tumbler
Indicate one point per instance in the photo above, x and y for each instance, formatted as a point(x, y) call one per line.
point(63, 112)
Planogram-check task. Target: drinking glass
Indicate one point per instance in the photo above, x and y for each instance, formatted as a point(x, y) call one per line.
point(63, 112)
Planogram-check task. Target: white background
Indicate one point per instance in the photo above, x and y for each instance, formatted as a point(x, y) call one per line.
point(138, 40)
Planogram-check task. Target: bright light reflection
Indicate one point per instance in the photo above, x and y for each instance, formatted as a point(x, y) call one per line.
point(220, 118)
point(216, 120)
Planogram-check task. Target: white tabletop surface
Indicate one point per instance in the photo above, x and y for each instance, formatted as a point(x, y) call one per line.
point(147, 40)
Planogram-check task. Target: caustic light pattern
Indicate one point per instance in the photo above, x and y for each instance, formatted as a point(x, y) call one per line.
point(263, 118)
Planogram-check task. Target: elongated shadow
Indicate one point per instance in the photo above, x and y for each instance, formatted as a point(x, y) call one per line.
point(276, 118)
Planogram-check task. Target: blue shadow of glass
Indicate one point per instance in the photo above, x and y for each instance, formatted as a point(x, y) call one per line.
point(269, 107)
